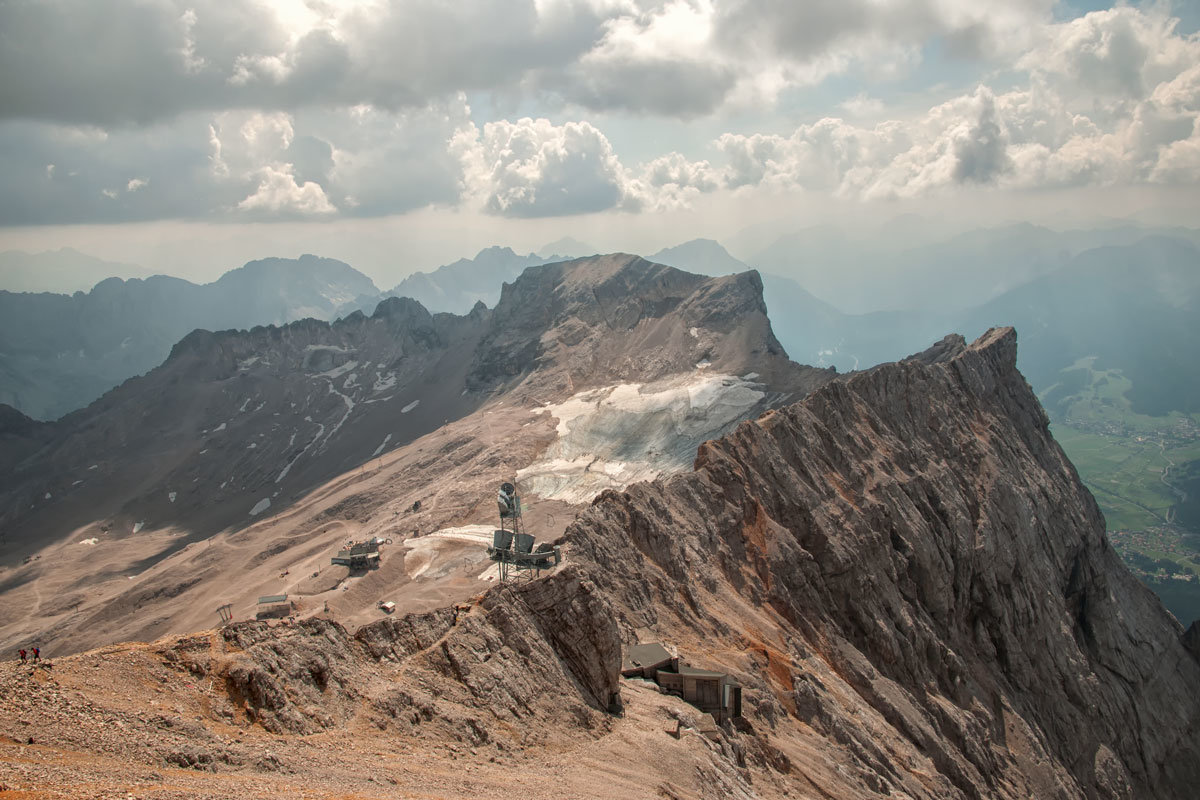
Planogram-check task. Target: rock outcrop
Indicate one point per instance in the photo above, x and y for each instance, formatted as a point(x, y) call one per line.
point(548, 650)
point(910, 566)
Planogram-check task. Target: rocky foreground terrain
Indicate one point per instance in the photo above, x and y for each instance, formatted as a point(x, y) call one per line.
point(901, 569)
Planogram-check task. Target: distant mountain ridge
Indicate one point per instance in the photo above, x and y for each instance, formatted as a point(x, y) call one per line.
point(59, 352)
point(456, 287)
point(65, 271)
point(1136, 307)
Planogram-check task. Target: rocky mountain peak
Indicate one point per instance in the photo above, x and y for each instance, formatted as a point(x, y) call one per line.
point(911, 545)
point(241, 421)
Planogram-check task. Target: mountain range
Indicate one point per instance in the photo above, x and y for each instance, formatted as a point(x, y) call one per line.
point(60, 352)
point(898, 569)
point(238, 426)
point(64, 271)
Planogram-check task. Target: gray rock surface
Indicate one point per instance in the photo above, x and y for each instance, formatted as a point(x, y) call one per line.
point(924, 553)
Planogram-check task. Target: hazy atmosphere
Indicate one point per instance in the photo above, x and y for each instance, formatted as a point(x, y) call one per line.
point(190, 137)
point(542, 399)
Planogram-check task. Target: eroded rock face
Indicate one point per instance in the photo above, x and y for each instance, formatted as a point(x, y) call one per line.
point(548, 649)
point(914, 570)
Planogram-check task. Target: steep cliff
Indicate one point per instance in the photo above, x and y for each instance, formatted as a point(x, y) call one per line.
point(906, 562)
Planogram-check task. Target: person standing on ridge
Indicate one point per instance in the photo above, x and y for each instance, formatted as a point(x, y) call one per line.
point(21, 652)
point(37, 655)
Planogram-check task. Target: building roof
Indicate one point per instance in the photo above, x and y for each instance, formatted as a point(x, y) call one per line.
point(272, 598)
point(692, 672)
point(640, 656)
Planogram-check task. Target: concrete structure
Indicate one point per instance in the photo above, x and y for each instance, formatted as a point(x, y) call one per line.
point(363, 555)
point(274, 606)
point(644, 661)
point(713, 692)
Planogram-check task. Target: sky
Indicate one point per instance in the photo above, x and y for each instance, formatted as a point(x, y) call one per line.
point(190, 136)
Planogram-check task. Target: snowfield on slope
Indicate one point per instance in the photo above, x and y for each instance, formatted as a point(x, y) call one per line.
point(426, 552)
point(611, 437)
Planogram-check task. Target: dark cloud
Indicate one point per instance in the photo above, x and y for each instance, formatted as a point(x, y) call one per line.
point(111, 62)
point(982, 155)
point(654, 86)
point(229, 165)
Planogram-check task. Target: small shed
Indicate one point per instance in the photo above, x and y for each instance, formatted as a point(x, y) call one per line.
point(273, 606)
point(645, 660)
point(713, 692)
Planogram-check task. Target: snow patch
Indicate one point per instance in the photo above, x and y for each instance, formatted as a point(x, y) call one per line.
point(76, 483)
point(91, 541)
point(410, 406)
point(423, 551)
point(384, 383)
point(245, 403)
point(94, 466)
point(252, 445)
point(750, 376)
point(337, 372)
point(219, 428)
point(288, 467)
point(694, 333)
point(247, 363)
point(349, 409)
point(137, 526)
point(260, 506)
point(379, 449)
point(171, 496)
point(48, 496)
point(617, 435)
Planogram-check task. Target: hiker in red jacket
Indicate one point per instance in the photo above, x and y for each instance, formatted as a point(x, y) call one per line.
point(37, 655)
point(22, 653)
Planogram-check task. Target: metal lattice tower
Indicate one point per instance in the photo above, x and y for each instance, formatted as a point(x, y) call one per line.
point(512, 547)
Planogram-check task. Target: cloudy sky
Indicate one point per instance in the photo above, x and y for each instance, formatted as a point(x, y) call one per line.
point(192, 135)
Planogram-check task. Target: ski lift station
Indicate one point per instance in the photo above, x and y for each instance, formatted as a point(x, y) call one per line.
point(360, 555)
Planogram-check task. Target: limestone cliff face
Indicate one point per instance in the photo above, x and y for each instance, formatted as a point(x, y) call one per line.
point(906, 563)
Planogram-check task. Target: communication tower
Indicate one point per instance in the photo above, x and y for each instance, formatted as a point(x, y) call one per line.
point(512, 547)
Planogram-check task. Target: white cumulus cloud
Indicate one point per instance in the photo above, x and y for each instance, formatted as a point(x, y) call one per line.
point(532, 168)
point(278, 192)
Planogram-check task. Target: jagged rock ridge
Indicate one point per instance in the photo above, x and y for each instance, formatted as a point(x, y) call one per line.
point(911, 567)
point(59, 352)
